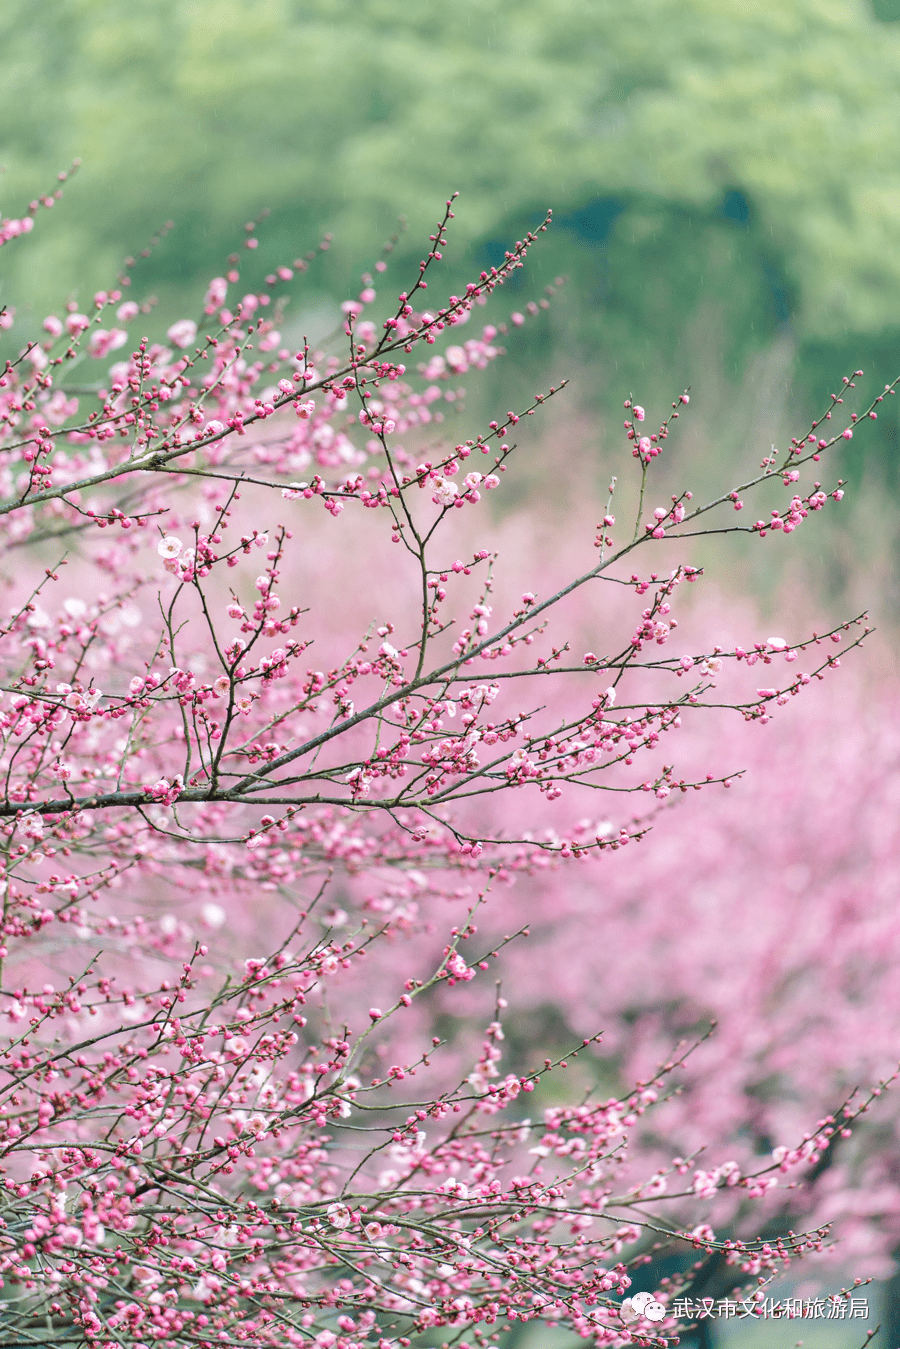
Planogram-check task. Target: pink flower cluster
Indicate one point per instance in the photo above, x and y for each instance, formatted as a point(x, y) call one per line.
point(244, 759)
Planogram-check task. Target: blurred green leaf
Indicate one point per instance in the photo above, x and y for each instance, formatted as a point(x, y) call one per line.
point(732, 159)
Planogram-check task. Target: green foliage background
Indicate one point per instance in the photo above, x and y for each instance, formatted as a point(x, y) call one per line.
point(722, 168)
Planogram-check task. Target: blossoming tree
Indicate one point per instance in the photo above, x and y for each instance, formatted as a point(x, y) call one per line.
point(224, 1118)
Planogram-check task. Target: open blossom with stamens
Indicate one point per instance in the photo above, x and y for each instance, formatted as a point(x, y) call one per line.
point(170, 546)
point(445, 493)
point(339, 1215)
point(360, 781)
point(76, 700)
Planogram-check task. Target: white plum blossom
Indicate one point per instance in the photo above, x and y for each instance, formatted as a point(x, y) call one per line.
point(655, 1185)
point(102, 342)
point(360, 781)
point(216, 292)
point(32, 825)
point(457, 1188)
point(77, 701)
point(182, 333)
point(445, 493)
point(457, 361)
point(170, 546)
point(206, 1287)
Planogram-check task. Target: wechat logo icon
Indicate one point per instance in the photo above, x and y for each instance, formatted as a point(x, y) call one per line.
point(642, 1304)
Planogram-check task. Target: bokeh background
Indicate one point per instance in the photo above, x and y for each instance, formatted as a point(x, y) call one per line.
point(724, 177)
